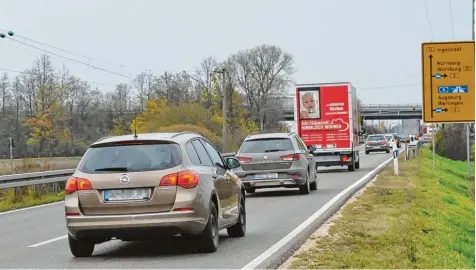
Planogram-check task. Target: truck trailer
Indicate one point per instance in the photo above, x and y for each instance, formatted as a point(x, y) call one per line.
point(327, 120)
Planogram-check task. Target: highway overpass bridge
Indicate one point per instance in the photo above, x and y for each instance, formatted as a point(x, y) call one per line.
point(370, 112)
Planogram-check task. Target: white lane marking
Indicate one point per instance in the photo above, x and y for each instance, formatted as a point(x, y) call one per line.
point(29, 208)
point(281, 243)
point(48, 241)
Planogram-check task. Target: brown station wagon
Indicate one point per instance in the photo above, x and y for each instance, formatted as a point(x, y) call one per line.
point(135, 187)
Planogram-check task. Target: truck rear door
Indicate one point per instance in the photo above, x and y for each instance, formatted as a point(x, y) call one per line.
point(323, 116)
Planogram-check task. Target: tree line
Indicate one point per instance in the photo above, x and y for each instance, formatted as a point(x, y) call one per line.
point(51, 112)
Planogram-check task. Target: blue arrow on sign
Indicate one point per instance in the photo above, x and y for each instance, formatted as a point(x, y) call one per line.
point(438, 110)
point(438, 76)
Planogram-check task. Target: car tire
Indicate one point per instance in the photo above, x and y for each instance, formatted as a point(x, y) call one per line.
point(366, 152)
point(250, 190)
point(208, 239)
point(80, 247)
point(387, 151)
point(313, 185)
point(357, 164)
point(239, 229)
point(305, 189)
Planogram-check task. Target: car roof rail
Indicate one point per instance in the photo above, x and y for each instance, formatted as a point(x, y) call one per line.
point(103, 138)
point(183, 133)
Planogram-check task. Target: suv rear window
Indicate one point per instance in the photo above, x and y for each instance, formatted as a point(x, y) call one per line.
point(131, 157)
point(266, 145)
point(376, 138)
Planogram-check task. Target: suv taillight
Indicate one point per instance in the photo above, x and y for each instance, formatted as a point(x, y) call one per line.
point(75, 183)
point(244, 159)
point(291, 157)
point(185, 179)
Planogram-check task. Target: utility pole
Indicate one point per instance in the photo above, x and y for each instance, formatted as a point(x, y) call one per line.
point(224, 110)
point(11, 154)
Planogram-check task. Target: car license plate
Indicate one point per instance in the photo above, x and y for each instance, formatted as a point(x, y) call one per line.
point(268, 183)
point(129, 194)
point(327, 158)
point(266, 176)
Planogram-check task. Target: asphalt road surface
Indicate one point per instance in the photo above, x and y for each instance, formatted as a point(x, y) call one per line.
point(36, 238)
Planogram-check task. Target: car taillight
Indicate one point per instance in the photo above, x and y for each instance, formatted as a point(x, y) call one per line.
point(185, 179)
point(290, 157)
point(76, 183)
point(244, 159)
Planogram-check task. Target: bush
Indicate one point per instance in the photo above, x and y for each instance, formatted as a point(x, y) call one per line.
point(451, 142)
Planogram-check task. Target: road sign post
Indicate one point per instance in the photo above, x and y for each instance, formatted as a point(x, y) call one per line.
point(448, 83)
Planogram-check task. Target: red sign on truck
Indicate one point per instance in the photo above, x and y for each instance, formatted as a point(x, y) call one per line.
point(324, 116)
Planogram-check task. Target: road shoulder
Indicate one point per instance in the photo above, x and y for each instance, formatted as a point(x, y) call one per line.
point(423, 218)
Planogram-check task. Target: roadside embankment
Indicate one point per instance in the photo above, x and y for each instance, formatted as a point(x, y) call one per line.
point(423, 218)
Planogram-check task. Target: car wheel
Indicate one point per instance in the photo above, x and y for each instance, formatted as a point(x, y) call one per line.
point(305, 189)
point(239, 229)
point(313, 185)
point(366, 152)
point(250, 190)
point(208, 239)
point(357, 164)
point(80, 247)
point(387, 151)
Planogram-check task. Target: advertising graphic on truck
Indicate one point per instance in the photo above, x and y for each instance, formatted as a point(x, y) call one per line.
point(327, 121)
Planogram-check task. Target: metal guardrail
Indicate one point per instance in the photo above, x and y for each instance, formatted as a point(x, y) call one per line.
point(45, 177)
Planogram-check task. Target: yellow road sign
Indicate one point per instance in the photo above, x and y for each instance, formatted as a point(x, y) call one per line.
point(448, 82)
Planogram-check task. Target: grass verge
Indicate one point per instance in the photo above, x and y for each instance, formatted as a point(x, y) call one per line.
point(11, 201)
point(37, 164)
point(423, 218)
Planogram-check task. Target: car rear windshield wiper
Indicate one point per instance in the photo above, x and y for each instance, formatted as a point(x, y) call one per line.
point(112, 169)
point(273, 150)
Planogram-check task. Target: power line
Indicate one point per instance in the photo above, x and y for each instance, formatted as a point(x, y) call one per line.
point(388, 87)
point(67, 51)
point(429, 21)
point(71, 59)
point(91, 82)
point(451, 17)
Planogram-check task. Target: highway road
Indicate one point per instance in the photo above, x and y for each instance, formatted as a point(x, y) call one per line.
point(36, 238)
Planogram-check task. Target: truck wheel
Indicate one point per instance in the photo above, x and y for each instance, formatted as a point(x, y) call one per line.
point(357, 165)
point(351, 167)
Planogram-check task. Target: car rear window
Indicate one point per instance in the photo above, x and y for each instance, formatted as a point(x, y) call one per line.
point(266, 145)
point(131, 157)
point(376, 138)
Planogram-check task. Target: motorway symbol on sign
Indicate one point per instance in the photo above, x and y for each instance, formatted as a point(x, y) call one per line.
point(453, 94)
point(459, 89)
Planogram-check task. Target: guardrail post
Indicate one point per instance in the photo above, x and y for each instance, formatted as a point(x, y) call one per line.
point(395, 159)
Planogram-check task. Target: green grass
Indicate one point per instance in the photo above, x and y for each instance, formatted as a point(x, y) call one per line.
point(27, 198)
point(423, 218)
point(38, 164)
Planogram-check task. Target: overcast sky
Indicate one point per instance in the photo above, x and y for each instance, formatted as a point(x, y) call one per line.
point(373, 43)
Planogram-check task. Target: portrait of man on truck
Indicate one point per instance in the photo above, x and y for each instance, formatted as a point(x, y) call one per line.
point(310, 105)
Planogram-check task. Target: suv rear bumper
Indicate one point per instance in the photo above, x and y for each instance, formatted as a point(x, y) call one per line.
point(140, 225)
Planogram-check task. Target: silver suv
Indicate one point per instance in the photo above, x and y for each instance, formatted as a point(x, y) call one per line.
point(276, 160)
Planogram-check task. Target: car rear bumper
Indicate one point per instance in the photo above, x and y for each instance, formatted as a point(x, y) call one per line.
point(274, 183)
point(140, 225)
point(377, 149)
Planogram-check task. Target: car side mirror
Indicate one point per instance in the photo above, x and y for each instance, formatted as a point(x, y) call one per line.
point(233, 163)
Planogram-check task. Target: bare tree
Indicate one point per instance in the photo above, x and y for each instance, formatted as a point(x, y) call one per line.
point(4, 92)
point(262, 73)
